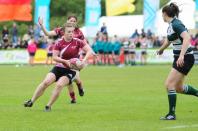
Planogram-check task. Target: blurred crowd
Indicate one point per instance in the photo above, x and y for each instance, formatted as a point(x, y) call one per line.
point(110, 50)
point(10, 38)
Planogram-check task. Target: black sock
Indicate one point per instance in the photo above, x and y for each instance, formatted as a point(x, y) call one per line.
point(172, 97)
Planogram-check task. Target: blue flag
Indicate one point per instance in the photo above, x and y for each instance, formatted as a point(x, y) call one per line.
point(150, 11)
point(42, 10)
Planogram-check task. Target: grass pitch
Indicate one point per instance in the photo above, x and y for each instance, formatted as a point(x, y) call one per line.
point(116, 99)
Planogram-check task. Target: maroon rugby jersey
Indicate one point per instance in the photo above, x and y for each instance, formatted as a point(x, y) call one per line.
point(50, 48)
point(68, 50)
point(77, 33)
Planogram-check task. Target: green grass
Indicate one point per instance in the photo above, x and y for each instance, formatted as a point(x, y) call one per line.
point(116, 99)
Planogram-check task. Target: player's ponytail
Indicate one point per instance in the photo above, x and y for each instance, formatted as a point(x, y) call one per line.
point(171, 10)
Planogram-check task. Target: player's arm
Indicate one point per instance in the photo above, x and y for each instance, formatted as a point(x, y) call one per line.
point(47, 33)
point(58, 59)
point(165, 44)
point(185, 45)
point(89, 52)
point(186, 42)
point(93, 53)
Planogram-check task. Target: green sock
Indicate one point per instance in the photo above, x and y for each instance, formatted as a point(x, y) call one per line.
point(190, 90)
point(172, 97)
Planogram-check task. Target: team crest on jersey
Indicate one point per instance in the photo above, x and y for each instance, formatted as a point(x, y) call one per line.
point(73, 47)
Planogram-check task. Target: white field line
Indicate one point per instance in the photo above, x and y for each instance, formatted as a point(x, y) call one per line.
point(181, 126)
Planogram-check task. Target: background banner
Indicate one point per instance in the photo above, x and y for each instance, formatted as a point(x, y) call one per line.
point(15, 10)
point(150, 12)
point(42, 10)
point(116, 7)
point(92, 15)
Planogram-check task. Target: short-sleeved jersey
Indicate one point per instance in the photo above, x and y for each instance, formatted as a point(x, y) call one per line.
point(68, 50)
point(59, 31)
point(132, 47)
point(176, 27)
point(50, 48)
point(126, 45)
point(77, 33)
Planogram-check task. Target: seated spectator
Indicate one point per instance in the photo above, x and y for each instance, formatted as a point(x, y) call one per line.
point(25, 40)
point(5, 31)
point(6, 44)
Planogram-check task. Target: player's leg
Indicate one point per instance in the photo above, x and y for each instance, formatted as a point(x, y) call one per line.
point(47, 60)
point(78, 82)
point(63, 81)
point(187, 89)
point(49, 79)
point(72, 93)
point(51, 60)
point(171, 83)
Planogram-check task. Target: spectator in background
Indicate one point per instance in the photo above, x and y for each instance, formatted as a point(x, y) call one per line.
point(18, 44)
point(100, 48)
point(25, 40)
point(14, 33)
point(149, 34)
point(30, 30)
point(6, 43)
point(5, 31)
point(193, 41)
point(143, 46)
point(116, 51)
point(135, 34)
point(103, 29)
point(196, 46)
point(132, 52)
point(50, 47)
point(143, 34)
point(156, 42)
point(105, 49)
point(32, 47)
point(126, 44)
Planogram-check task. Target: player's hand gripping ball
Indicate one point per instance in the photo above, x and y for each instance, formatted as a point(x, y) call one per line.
point(76, 64)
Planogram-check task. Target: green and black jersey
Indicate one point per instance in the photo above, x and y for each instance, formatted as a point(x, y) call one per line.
point(176, 27)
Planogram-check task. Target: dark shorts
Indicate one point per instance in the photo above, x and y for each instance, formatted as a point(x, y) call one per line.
point(83, 54)
point(101, 51)
point(126, 52)
point(49, 54)
point(116, 52)
point(105, 53)
point(110, 52)
point(32, 53)
point(132, 52)
point(188, 64)
point(59, 72)
point(143, 53)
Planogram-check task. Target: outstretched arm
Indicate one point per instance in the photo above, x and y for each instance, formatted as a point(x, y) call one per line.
point(47, 33)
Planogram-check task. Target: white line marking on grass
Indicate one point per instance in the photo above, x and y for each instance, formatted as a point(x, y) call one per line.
point(181, 126)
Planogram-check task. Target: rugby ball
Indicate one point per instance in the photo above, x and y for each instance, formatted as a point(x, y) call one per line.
point(76, 64)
